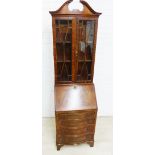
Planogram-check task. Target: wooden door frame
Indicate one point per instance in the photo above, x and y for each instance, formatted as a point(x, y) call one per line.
point(94, 46)
point(75, 45)
point(55, 50)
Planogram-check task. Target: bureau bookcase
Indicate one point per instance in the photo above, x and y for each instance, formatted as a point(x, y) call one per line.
point(74, 43)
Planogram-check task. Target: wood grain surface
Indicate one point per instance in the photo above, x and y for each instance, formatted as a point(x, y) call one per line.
point(75, 97)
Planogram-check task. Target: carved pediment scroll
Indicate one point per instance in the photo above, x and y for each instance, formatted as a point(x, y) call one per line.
point(65, 9)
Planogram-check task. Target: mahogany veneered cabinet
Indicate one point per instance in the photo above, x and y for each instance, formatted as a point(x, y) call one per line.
point(74, 43)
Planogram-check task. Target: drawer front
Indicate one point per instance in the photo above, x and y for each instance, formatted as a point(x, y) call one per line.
point(73, 123)
point(77, 115)
point(71, 116)
point(76, 139)
point(74, 131)
point(76, 122)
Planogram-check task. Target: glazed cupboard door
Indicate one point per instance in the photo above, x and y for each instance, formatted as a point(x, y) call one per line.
point(63, 44)
point(85, 50)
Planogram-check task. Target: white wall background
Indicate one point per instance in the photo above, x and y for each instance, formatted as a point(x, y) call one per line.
point(103, 77)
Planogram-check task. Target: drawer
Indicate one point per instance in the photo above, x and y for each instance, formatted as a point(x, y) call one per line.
point(73, 123)
point(74, 131)
point(76, 139)
point(76, 115)
point(71, 116)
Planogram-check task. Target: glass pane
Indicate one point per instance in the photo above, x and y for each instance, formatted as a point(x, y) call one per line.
point(85, 49)
point(64, 50)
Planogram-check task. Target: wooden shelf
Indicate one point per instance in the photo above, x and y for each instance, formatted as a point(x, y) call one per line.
point(80, 78)
point(58, 27)
point(62, 61)
point(63, 42)
point(84, 60)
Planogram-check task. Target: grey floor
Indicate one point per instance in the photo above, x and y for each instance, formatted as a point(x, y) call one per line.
point(102, 145)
